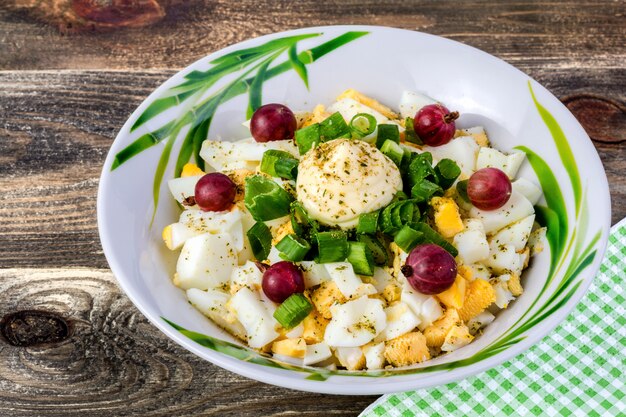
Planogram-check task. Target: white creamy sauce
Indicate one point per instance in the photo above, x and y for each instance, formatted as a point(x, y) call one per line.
point(341, 179)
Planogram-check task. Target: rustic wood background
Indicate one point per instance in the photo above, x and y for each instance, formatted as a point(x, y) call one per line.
point(72, 71)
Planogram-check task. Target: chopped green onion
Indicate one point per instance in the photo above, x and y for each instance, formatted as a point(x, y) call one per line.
point(281, 164)
point(393, 151)
point(293, 310)
point(260, 239)
point(431, 236)
point(265, 199)
point(307, 138)
point(420, 168)
point(332, 246)
point(333, 127)
point(292, 248)
point(387, 132)
point(409, 132)
point(424, 190)
point(368, 222)
point(362, 124)
point(408, 238)
point(376, 247)
point(287, 168)
point(360, 256)
point(461, 189)
point(399, 196)
point(447, 172)
point(407, 157)
point(301, 222)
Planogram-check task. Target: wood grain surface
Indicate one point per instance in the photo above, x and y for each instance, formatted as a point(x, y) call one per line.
point(65, 93)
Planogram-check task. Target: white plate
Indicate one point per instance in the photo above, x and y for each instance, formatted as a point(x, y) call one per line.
point(380, 62)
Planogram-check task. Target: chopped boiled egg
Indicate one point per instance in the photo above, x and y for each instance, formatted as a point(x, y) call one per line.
point(369, 102)
point(206, 261)
point(447, 217)
point(528, 189)
point(480, 321)
point(453, 297)
point(212, 303)
point(515, 234)
point(480, 295)
point(351, 358)
point(295, 348)
point(408, 349)
point(374, 355)
point(248, 275)
point(509, 164)
point(191, 170)
point(355, 323)
point(513, 210)
point(400, 320)
point(472, 243)
point(457, 337)
point(462, 150)
point(313, 273)
point(317, 353)
point(411, 102)
point(252, 314)
point(244, 154)
point(349, 283)
point(183, 187)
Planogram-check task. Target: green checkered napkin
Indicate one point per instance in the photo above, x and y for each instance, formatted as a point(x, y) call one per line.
point(579, 369)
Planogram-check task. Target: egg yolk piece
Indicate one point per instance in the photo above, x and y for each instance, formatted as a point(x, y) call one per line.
point(342, 179)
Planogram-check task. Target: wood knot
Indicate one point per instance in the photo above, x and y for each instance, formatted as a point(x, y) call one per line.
point(603, 119)
point(33, 327)
point(119, 12)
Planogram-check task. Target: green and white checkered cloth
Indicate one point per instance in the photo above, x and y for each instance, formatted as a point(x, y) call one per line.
point(577, 370)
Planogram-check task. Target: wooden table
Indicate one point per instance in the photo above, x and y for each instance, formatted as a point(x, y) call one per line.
point(70, 77)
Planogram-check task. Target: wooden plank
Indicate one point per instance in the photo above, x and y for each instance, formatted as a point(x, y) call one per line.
point(115, 363)
point(57, 128)
point(563, 33)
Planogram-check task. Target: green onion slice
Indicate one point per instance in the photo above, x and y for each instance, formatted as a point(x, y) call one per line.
point(408, 238)
point(362, 124)
point(260, 239)
point(360, 256)
point(461, 189)
point(307, 138)
point(332, 246)
point(265, 199)
point(281, 164)
point(387, 132)
point(409, 132)
point(292, 248)
point(424, 190)
point(368, 222)
point(392, 150)
point(377, 248)
point(293, 310)
point(431, 236)
point(334, 127)
point(447, 172)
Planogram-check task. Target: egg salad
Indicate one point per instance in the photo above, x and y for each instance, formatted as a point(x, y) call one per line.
point(354, 236)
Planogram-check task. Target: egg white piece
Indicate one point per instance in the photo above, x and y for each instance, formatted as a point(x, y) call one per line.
point(313, 273)
point(480, 321)
point(515, 234)
point(509, 164)
point(480, 271)
point(348, 282)
point(381, 279)
point(295, 332)
point(247, 275)
point(528, 188)
point(212, 303)
point(425, 307)
point(206, 261)
point(183, 187)
point(411, 102)
point(317, 353)
point(472, 242)
point(179, 233)
point(503, 295)
point(355, 323)
point(349, 357)
point(513, 210)
point(288, 359)
point(255, 318)
point(374, 356)
point(224, 222)
point(400, 320)
point(462, 150)
point(223, 155)
point(503, 258)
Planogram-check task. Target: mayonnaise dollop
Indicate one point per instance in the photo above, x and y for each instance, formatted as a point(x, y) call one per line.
point(341, 179)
